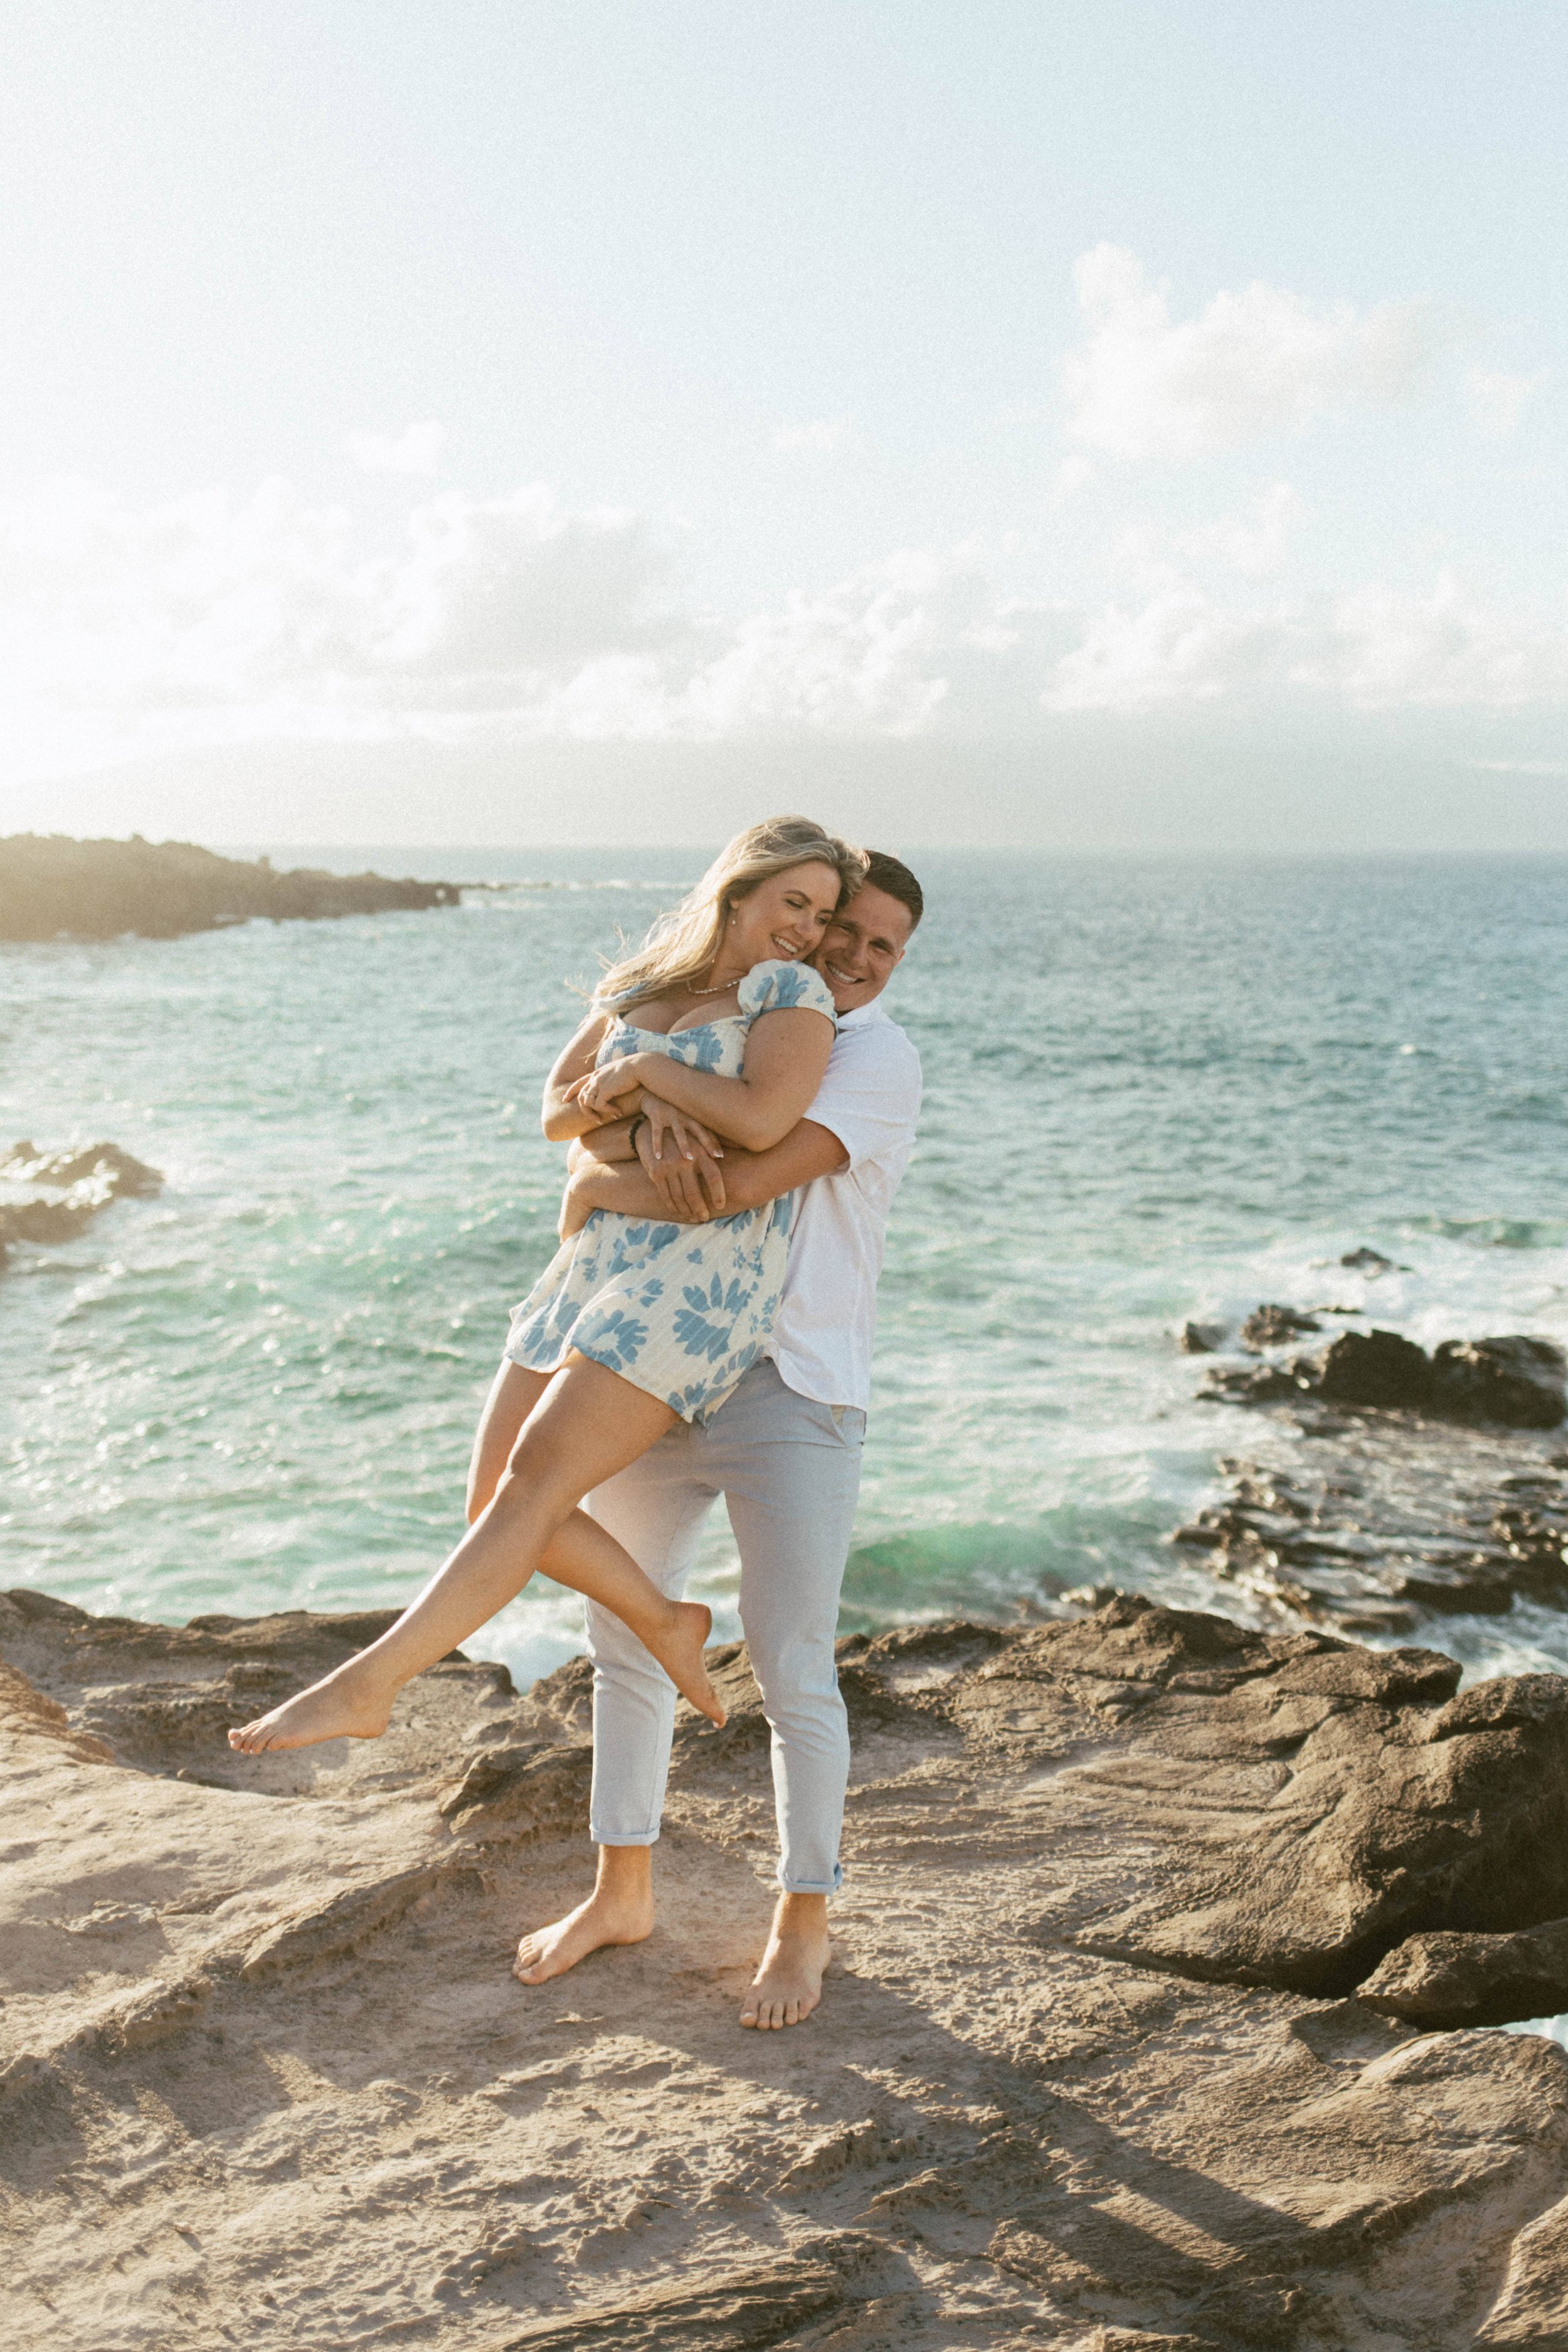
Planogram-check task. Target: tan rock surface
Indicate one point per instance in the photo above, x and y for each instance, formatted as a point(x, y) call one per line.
point(265, 2079)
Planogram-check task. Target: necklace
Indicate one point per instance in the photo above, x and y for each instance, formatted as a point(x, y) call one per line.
point(717, 991)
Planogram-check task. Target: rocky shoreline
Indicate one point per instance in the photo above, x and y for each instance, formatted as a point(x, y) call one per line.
point(1152, 2027)
point(52, 886)
point(1387, 1486)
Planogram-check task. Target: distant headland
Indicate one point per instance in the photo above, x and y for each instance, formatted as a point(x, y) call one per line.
point(51, 886)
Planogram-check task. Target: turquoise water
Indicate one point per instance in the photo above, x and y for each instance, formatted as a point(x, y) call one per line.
point(1154, 1091)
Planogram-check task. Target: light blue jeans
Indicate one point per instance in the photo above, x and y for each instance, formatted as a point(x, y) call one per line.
point(789, 1471)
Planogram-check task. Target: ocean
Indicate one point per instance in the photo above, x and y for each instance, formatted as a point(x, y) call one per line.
point(1154, 1091)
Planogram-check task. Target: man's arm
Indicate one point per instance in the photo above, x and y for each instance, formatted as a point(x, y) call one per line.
point(749, 1178)
point(611, 1142)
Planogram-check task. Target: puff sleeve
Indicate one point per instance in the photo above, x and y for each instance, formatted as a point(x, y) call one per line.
point(782, 987)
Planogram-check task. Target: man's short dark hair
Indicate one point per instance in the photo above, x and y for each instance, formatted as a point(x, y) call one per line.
point(891, 875)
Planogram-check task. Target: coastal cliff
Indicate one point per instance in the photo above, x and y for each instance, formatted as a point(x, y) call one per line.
point(1127, 2046)
point(51, 886)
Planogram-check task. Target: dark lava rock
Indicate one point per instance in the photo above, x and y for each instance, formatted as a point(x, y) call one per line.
point(1376, 1368)
point(1409, 1517)
point(52, 886)
point(1269, 1327)
point(1371, 1263)
point(1264, 1384)
point(62, 1192)
point(1515, 1380)
point(1201, 1338)
point(1447, 1980)
point(1512, 1380)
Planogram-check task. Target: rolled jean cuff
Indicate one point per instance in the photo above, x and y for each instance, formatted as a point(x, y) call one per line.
point(811, 1886)
point(622, 1837)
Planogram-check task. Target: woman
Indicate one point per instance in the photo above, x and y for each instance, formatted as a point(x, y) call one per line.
point(634, 1323)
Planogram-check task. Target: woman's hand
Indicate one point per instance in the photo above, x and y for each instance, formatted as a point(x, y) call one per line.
point(682, 1157)
point(603, 1092)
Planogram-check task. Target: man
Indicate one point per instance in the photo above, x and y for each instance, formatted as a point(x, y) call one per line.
point(784, 1450)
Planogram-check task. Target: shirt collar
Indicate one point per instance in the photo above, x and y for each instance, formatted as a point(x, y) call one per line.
point(864, 1014)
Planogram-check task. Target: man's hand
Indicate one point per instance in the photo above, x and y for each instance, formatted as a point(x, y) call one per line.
point(682, 1157)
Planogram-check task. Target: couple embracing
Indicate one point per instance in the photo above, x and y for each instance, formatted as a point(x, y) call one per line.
point(739, 1111)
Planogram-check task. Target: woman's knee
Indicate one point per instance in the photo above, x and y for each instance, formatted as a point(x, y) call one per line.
point(536, 1469)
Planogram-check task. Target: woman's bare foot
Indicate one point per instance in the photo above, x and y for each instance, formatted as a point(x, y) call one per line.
point(788, 1984)
point(677, 1645)
point(608, 1916)
point(342, 1705)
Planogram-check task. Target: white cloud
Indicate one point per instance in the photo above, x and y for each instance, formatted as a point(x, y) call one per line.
point(1498, 401)
point(1253, 365)
point(496, 590)
point(1372, 648)
point(815, 439)
point(1255, 543)
point(416, 451)
point(865, 656)
point(123, 629)
point(1521, 767)
point(1383, 647)
point(1177, 647)
point(1074, 474)
point(210, 620)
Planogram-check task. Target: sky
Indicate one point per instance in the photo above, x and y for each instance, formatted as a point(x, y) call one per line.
point(1101, 427)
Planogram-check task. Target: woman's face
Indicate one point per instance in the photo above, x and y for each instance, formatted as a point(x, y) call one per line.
point(782, 916)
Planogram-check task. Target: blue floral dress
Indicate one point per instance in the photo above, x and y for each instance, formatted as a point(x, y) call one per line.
point(679, 1310)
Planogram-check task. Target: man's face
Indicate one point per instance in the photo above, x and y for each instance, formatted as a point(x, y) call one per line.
point(863, 946)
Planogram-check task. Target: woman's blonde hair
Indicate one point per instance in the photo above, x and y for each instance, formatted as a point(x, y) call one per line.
point(682, 944)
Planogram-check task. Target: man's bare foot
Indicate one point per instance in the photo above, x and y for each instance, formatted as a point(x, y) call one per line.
point(608, 1916)
point(342, 1705)
point(788, 1984)
point(679, 1647)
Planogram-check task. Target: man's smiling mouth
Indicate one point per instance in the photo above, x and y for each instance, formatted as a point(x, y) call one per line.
point(845, 979)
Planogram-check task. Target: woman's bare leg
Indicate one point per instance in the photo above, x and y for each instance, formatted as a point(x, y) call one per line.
point(513, 1394)
point(587, 1424)
point(577, 1555)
